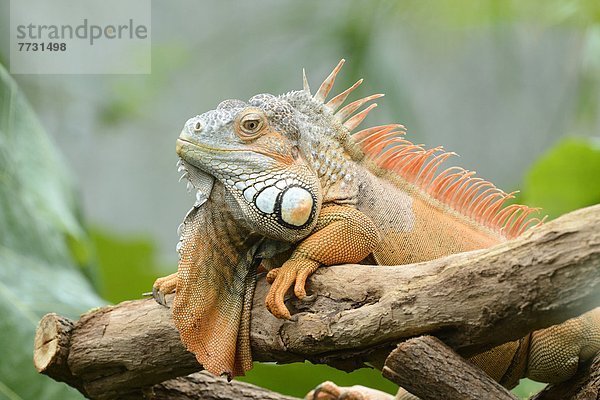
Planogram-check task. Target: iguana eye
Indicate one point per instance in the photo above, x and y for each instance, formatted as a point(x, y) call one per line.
point(251, 125)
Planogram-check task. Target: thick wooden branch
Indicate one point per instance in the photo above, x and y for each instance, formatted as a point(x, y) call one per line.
point(471, 301)
point(429, 369)
point(52, 345)
point(205, 386)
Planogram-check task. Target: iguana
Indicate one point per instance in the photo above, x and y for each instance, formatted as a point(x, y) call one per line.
point(281, 179)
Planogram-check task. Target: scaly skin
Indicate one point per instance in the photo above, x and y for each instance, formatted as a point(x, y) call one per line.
point(283, 174)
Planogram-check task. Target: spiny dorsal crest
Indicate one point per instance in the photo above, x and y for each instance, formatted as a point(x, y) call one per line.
point(456, 188)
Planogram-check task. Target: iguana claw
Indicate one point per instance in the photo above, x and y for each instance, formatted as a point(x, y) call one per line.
point(163, 286)
point(159, 297)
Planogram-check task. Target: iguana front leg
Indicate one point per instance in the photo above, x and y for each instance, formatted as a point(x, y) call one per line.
point(342, 235)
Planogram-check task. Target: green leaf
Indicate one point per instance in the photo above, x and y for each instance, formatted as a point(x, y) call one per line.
point(566, 178)
point(38, 225)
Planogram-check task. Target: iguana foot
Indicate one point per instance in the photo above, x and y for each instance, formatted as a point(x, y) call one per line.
point(162, 287)
point(292, 272)
point(342, 235)
point(331, 391)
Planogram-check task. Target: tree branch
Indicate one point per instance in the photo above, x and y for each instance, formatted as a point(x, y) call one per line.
point(472, 301)
point(205, 386)
point(429, 369)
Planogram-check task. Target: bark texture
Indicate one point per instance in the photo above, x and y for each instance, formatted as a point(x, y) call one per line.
point(205, 386)
point(429, 369)
point(471, 301)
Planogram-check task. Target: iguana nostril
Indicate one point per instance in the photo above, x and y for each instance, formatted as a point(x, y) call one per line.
point(197, 126)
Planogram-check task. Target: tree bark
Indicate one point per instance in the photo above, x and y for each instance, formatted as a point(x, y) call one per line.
point(205, 386)
point(472, 301)
point(429, 369)
point(52, 345)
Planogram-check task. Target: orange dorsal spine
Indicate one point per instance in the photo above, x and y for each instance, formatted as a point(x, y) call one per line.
point(383, 147)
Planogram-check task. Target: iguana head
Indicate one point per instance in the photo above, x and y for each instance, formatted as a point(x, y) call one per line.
point(253, 149)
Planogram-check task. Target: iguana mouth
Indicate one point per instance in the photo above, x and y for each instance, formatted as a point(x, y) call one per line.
point(283, 158)
point(184, 142)
point(181, 142)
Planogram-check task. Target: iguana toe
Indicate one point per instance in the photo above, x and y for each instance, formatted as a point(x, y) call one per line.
point(301, 277)
point(163, 286)
point(309, 298)
point(275, 298)
point(272, 274)
point(292, 272)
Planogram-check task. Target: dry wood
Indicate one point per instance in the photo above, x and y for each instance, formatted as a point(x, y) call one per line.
point(429, 369)
point(51, 347)
point(205, 386)
point(471, 301)
point(51, 355)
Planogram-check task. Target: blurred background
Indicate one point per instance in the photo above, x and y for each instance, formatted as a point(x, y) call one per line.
point(89, 191)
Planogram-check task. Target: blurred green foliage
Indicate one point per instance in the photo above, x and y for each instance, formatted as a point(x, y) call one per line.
point(565, 178)
point(464, 13)
point(527, 388)
point(130, 95)
point(38, 226)
point(127, 265)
